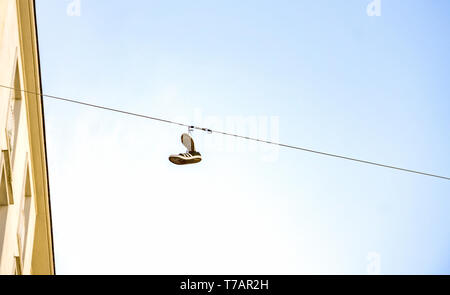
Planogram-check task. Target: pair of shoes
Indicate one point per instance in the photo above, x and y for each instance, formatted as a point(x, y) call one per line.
point(191, 156)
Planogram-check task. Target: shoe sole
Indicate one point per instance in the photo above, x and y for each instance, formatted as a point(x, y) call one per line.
point(180, 161)
point(188, 142)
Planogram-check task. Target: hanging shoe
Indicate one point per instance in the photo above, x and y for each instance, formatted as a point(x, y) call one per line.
point(188, 142)
point(191, 157)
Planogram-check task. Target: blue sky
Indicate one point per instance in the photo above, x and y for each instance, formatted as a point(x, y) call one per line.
point(317, 74)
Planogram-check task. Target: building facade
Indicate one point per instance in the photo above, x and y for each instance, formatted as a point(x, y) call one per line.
point(26, 242)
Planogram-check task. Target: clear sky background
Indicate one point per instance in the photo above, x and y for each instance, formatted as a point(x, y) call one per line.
point(317, 74)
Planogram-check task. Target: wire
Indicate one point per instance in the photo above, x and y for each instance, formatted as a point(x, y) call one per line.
point(227, 134)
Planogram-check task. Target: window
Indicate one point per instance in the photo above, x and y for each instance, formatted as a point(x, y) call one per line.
point(6, 196)
point(25, 212)
point(3, 218)
point(13, 117)
point(12, 125)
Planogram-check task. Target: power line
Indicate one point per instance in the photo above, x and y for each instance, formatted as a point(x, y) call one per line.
point(227, 134)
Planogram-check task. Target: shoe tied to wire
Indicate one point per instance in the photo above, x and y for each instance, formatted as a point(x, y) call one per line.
point(191, 156)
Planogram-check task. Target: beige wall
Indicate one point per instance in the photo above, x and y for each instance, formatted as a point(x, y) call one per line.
point(25, 223)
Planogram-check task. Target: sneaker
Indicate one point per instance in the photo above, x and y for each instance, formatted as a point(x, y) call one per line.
point(188, 142)
point(191, 157)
